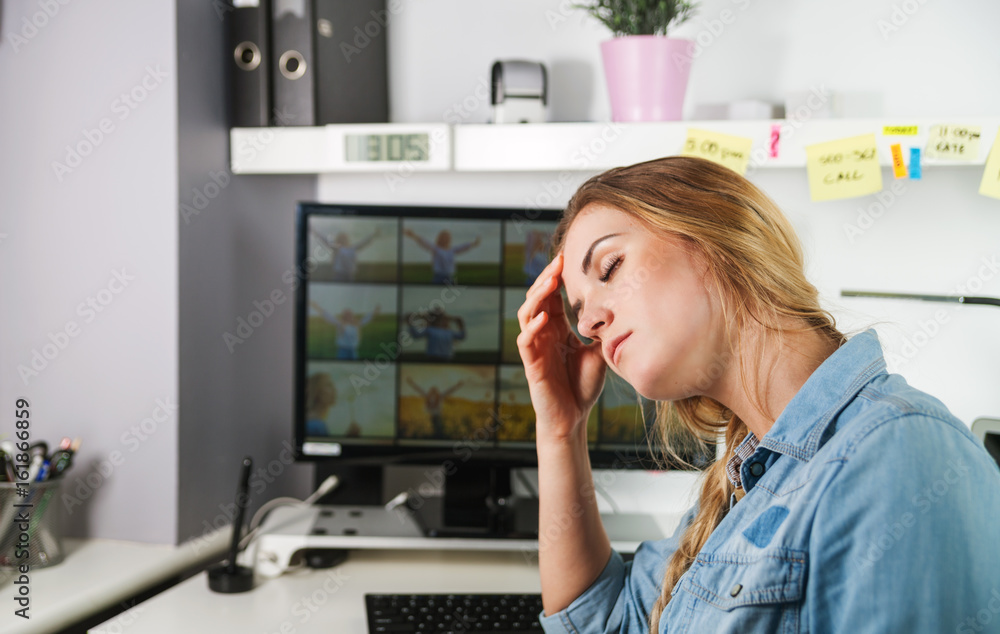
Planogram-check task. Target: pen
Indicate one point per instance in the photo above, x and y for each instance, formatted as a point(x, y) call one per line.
point(43, 471)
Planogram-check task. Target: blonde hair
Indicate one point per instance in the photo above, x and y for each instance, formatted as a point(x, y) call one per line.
point(755, 261)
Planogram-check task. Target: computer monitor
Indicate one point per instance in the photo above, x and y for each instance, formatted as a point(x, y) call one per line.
point(405, 353)
point(988, 431)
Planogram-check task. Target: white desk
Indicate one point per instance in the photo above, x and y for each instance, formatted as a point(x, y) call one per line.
point(98, 574)
point(327, 601)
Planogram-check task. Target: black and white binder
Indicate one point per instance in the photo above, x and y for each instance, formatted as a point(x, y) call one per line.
point(292, 59)
point(351, 76)
point(249, 63)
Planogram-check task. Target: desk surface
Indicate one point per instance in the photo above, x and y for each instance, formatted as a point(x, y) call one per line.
point(329, 600)
point(97, 574)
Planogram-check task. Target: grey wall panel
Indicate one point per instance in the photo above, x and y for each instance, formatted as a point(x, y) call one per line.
point(236, 239)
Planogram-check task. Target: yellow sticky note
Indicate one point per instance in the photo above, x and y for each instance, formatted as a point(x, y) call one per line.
point(900, 130)
point(953, 142)
point(724, 149)
point(843, 169)
point(990, 186)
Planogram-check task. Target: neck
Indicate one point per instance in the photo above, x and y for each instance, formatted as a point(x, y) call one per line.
point(780, 373)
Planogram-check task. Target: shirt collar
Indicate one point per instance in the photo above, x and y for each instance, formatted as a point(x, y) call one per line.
point(801, 426)
point(743, 451)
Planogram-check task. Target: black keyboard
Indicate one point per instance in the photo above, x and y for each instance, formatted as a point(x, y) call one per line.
point(453, 613)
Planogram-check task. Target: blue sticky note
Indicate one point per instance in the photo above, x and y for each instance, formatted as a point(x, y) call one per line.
point(915, 163)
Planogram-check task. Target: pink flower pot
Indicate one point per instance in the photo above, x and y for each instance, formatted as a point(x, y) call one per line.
point(647, 76)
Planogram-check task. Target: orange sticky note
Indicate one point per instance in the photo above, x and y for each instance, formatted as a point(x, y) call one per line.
point(898, 166)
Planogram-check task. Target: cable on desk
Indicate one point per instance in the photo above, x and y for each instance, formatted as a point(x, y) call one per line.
point(328, 485)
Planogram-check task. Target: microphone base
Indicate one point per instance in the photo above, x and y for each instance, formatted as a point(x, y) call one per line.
point(220, 579)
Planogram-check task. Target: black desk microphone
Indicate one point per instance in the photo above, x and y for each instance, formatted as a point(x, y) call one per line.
point(228, 577)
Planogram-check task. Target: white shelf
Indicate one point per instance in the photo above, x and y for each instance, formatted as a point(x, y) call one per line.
point(568, 146)
point(316, 150)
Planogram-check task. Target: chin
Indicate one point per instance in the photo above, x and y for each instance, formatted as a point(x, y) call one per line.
point(643, 382)
point(650, 384)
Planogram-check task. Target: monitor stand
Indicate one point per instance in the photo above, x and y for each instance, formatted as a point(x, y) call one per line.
point(478, 512)
point(477, 501)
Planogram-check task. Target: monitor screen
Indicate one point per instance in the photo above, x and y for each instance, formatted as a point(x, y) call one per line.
point(406, 327)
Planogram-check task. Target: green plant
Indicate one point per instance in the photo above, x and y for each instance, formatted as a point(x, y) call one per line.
point(640, 17)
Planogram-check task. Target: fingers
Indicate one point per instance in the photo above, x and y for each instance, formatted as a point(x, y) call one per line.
point(526, 338)
point(533, 326)
point(542, 288)
point(547, 283)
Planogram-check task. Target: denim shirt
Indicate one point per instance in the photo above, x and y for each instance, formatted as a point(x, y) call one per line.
point(868, 508)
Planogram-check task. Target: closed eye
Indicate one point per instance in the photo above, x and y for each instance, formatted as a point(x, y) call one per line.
point(609, 267)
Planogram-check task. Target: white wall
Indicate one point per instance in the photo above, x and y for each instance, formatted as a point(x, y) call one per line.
point(64, 239)
point(942, 61)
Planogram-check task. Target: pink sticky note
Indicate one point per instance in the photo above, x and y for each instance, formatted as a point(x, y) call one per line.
point(775, 139)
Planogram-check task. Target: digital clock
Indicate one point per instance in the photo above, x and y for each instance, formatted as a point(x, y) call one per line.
point(387, 147)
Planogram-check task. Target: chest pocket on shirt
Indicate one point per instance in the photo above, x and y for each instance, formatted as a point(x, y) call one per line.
point(758, 592)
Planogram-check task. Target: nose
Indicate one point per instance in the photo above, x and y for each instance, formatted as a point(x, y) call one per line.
point(594, 320)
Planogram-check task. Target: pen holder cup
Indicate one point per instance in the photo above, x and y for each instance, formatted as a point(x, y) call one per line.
point(30, 524)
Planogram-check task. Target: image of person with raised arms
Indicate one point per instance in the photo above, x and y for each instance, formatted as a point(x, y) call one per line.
point(442, 254)
point(348, 325)
point(345, 254)
point(536, 254)
point(433, 403)
point(436, 326)
point(845, 500)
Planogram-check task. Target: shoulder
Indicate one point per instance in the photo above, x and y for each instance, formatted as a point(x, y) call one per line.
point(906, 505)
point(895, 448)
point(889, 409)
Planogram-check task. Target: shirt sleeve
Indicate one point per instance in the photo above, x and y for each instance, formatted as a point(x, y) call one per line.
point(904, 538)
point(623, 595)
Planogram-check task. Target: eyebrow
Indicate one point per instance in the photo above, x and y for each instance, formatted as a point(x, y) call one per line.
point(590, 252)
point(585, 267)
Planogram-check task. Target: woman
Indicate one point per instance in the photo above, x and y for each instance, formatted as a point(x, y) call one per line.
point(434, 402)
point(536, 255)
point(442, 254)
point(345, 254)
point(846, 500)
point(348, 325)
point(321, 396)
point(435, 325)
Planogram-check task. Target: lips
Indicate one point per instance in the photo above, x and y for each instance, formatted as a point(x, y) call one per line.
point(611, 348)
